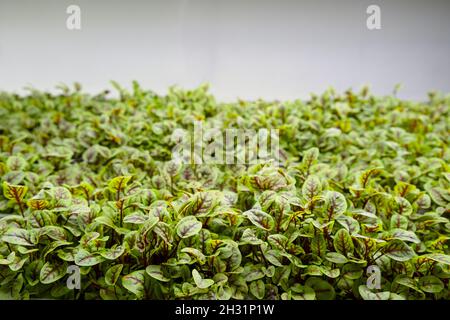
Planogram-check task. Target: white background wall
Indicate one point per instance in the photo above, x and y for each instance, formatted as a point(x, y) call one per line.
point(244, 48)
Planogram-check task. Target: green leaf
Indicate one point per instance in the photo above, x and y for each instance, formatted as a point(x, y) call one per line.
point(335, 204)
point(136, 218)
point(423, 201)
point(365, 177)
point(402, 206)
point(349, 223)
point(274, 257)
point(438, 257)
point(313, 270)
point(17, 264)
point(51, 272)
point(253, 272)
point(352, 271)
point(200, 204)
point(439, 195)
point(37, 204)
point(311, 188)
point(14, 192)
point(224, 293)
point(25, 250)
point(84, 258)
point(281, 276)
point(148, 225)
point(310, 157)
point(155, 272)
point(258, 289)
point(318, 245)
point(336, 257)
point(343, 242)
point(366, 294)
point(406, 281)
point(68, 255)
point(84, 189)
point(107, 221)
point(118, 184)
point(54, 233)
point(32, 272)
point(16, 287)
point(60, 290)
point(278, 241)
point(197, 254)
point(322, 289)
point(9, 259)
point(164, 231)
point(399, 221)
point(394, 296)
point(16, 163)
point(249, 237)
point(61, 194)
point(113, 274)
point(321, 226)
point(398, 250)
point(260, 219)
point(89, 237)
point(113, 253)
point(18, 236)
point(404, 235)
point(54, 245)
point(200, 282)
point(188, 226)
point(330, 273)
point(431, 284)
point(134, 282)
point(299, 292)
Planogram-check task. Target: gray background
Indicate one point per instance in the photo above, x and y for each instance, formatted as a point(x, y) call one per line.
point(247, 48)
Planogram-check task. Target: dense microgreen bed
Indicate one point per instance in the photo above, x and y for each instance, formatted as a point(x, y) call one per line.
point(89, 181)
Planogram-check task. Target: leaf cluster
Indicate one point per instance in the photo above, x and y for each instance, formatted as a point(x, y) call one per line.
point(88, 181)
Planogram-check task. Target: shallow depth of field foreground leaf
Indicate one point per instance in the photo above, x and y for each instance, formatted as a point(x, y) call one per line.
point(358, 207)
